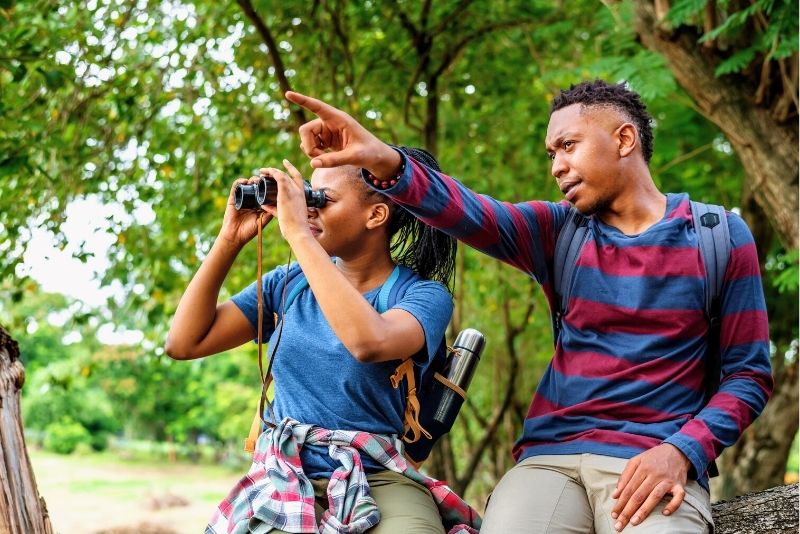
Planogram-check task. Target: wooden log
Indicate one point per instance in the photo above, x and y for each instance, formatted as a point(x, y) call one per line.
point(771, 511)
point(22, 510)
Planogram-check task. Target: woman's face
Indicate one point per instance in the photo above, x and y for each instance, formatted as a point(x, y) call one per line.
point(341, 225)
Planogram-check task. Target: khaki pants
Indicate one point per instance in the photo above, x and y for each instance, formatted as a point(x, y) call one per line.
point(572, 493)
point(405, 506)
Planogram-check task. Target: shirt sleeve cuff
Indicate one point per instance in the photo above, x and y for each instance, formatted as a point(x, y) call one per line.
point(693, 451)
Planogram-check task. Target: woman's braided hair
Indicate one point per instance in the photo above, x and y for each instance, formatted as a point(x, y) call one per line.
point(425, 250)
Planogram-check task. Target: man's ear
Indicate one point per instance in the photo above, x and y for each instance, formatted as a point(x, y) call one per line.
point(379, 215)
point(627, 139)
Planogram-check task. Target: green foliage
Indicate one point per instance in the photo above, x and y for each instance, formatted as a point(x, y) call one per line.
point(64, 436)
point(793, 465)
point(61, 391)
point(774, 24)
point(788, 276)
point(685, 11)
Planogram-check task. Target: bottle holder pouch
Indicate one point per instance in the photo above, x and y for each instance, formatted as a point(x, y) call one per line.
point(440, 404)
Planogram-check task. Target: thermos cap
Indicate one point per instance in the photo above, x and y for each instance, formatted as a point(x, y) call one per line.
point(471, 340)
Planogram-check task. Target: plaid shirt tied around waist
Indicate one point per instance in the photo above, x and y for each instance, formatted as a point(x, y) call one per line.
point(275, 493)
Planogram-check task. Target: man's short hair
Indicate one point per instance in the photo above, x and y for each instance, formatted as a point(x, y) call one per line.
point(600, 93)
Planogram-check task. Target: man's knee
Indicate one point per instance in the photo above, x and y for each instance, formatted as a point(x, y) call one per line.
point(531, 500)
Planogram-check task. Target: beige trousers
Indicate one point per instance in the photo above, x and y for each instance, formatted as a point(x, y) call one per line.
point(572, 493)
point(405, 506)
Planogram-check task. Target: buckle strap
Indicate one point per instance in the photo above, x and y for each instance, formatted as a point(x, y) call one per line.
point(411, 422)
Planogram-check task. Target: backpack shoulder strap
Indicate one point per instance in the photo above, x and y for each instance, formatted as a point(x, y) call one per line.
point(295, 282)
point(388, 295)
point(714, 241)
point(571, 239)
point(391, 292)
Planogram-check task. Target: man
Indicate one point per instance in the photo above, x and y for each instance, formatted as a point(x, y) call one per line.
point(619, 426)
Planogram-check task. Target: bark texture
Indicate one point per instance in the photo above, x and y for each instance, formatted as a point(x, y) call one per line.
point(768, 512)
point(22, 510)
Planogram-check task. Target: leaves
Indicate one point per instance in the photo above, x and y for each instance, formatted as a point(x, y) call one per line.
point(772, 28)
point(684, 11)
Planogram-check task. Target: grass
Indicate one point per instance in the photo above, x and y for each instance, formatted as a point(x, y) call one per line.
point(116, 486)
point(92, 492)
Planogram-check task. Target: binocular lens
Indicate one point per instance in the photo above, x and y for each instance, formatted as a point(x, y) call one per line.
point(265, 191)
point(244, 197)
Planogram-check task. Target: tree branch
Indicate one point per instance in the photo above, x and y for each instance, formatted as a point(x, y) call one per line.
point(269, 41)
point(423, 18)
point(454, 51)
point(456, 12)
point(683, 157)
point(339, 32)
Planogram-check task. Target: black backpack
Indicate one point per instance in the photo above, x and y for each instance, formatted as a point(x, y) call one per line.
point(713, 239)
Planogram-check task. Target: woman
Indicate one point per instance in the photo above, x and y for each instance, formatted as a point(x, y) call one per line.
point(335, 355)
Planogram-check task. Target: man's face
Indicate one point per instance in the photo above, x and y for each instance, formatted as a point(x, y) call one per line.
point(583, 144)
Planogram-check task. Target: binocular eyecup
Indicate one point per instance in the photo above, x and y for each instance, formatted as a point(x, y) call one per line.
point(265, 191)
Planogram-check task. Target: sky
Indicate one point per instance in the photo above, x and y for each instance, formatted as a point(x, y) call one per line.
point(57, 271)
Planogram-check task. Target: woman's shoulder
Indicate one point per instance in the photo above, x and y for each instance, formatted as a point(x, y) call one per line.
point(417, 285)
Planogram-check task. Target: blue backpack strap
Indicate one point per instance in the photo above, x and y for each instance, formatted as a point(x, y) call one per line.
point(295, 282)
point(714, 242)
point(388, 295)
point(571, 239)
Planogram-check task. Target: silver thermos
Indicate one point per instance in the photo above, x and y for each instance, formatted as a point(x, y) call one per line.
point(467, 351)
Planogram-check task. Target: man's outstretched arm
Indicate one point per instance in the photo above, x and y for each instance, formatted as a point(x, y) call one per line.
point(522, 234)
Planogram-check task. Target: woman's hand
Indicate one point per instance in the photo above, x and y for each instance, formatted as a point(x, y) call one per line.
point(240, 226)
point(291, 209)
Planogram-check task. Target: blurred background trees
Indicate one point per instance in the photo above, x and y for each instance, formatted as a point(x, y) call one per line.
point(153, 108)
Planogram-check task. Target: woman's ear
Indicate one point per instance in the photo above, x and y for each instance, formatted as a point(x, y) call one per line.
point(626, 139)
point(379, 215)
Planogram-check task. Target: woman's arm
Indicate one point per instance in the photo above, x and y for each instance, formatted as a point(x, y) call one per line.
point(201, 327)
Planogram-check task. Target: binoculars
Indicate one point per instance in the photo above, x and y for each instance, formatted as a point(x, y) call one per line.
point(265, 191)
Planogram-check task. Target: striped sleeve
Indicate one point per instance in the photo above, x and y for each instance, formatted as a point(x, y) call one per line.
point(522, 234)
point(746, 378)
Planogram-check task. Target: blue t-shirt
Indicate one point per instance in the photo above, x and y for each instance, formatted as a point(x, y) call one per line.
point(318, 381)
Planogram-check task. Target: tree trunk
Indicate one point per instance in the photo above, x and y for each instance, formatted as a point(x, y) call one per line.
point(773, 511)
point(22, 510)
point(766, 145)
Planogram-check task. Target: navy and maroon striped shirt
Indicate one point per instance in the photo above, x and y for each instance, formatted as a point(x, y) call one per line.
point(628, 370)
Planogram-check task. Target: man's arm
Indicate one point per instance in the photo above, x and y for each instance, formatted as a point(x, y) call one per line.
point(745, 387)
point(746, 381)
